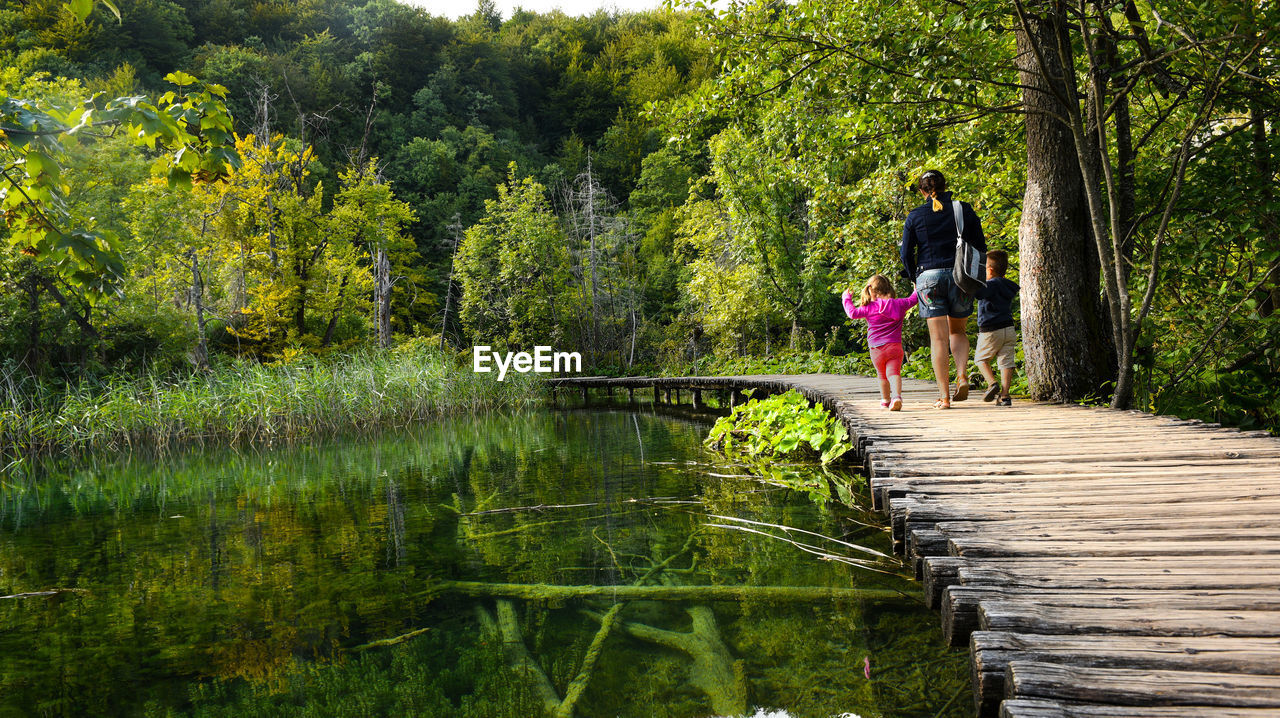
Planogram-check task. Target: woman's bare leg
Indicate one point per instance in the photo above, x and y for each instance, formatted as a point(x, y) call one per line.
point(959, 342)
point(940, 353)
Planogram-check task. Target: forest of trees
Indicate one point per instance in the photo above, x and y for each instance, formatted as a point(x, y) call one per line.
point(660, 191)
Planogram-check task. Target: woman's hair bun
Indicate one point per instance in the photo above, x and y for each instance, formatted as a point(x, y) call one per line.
point(932, 182)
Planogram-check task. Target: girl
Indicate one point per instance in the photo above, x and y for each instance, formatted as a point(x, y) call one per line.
point(884, 316)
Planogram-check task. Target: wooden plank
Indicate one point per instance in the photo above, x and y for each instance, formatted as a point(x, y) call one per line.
point(1119, 492)
point(1235, 576)
point(1256, 525)
point(960, 603)
point(935, 539)
point(1067, 430)
point(1137, 476)
point(1023, 708)
point(1135, 572)
point(927, 517)
point(925, 511)
point(962, 452)
point(978, 547)
point(1044, 465)
point(992, 651)
point(1119, 458)
point(1140, 687)
point(884, 489)
point(1023, 616)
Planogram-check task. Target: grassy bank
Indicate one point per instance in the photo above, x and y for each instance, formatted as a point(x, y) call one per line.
point(248, 402)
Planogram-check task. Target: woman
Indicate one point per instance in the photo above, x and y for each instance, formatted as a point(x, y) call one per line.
point(929, 253)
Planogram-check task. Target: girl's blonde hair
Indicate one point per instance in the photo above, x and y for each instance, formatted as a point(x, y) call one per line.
point(878, 286)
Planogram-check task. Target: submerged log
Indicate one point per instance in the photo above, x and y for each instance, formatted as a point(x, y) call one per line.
point(506, 627)
point(384, 642)
point(546, 592)
point(714, 671)
point(579, 684)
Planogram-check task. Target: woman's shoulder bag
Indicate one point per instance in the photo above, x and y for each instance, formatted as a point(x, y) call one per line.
point(970, 270)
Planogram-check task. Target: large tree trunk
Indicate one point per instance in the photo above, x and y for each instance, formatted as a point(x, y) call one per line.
point(1065, 338)
point(456, 229)
point(1270, 224)
point(200, 356)
point(81, 320)
point(382, 297)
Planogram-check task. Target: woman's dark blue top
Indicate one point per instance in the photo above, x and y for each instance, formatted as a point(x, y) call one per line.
point(929, 238)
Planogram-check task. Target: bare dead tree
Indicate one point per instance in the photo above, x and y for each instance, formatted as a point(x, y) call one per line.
point(602, 242)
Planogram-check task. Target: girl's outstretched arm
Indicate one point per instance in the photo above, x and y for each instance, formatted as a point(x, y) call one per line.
point(905, 304)
point(851, 307)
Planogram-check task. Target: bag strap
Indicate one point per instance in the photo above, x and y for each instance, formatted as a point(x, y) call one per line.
point(955, 209)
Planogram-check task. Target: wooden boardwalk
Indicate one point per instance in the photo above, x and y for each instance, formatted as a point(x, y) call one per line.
point(1097, 562)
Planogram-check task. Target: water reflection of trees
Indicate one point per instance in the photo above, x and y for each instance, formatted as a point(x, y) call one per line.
point(248, 574)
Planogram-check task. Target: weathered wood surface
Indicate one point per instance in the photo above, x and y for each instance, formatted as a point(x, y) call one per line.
point(960, 604)
point(993, 650)
point(1021, 708)
point(1098, 562)
point(1140, 686)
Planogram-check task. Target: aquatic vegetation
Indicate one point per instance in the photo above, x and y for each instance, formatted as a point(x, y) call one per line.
point(782, 425)
point(241, 401)
point(343, 578)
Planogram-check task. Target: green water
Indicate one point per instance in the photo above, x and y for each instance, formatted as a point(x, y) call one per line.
point(242, 583)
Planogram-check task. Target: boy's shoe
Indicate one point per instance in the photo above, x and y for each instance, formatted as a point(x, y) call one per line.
point(991, 392)
point(1005, 401)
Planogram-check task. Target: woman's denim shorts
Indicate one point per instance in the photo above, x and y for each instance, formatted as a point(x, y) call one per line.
point(939, 296)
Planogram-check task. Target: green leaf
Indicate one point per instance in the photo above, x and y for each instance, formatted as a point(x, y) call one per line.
point(179, 178)
point(180, 78)
point(80, 9)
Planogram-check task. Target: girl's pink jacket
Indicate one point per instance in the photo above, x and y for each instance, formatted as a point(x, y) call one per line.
point(884, 317)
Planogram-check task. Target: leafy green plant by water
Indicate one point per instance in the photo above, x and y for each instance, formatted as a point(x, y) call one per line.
point(783, 425)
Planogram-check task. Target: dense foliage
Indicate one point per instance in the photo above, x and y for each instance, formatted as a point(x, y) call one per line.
point(367, 138)
point(660, 191)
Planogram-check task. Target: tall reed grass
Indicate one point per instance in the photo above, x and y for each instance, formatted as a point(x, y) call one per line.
point(245, 401)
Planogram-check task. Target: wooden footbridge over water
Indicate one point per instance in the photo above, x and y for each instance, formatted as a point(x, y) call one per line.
point(1097, 562)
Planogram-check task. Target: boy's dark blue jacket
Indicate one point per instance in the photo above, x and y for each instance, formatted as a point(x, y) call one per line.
point(929, 238)
point(995, 304)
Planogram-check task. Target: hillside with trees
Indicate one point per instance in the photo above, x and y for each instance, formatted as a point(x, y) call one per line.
point(677, 190)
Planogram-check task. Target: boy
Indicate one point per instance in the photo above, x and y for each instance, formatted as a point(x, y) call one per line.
point(996, 335)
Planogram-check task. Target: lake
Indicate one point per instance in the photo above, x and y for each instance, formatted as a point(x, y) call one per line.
point(464, 568)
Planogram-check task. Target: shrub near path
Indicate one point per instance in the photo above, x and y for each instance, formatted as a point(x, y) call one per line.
point(780, 425)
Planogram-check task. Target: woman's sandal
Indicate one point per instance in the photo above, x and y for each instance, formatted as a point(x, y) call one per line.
point(962, 392)
point(942, 404)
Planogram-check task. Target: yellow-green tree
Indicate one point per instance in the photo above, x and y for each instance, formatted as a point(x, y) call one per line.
point(370, 220)
point(286, 263)
point(513, 268)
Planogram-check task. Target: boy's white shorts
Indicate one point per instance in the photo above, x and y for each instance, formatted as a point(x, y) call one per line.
point(1001, 344)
